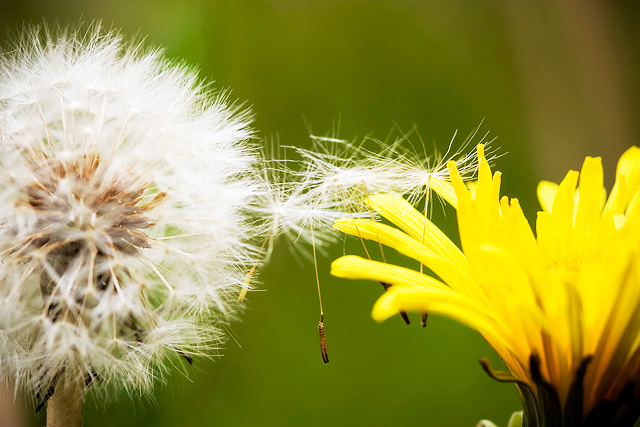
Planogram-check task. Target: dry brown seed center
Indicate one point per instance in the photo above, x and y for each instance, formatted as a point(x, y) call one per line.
point(84, 220)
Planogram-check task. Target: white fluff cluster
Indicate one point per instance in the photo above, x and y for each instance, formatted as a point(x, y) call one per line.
point(124, 229)
point(303, 198)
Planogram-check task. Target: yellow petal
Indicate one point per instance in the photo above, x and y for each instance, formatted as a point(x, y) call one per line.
point(555, 228)
point(355, 267)
point(412, 299)
point(546, 193)
point(472, 186)
point(462, 192)
point(445, 190)
point(407, 218)
point(590, 202)
point(406, 245)
point(617, 202)
point(629, 165)
point(628, 170)
point(484, 194)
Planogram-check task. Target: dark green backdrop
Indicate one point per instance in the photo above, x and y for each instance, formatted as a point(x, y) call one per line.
point(555, 81)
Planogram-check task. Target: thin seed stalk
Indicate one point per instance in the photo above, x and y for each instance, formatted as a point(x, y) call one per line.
point(64, 409)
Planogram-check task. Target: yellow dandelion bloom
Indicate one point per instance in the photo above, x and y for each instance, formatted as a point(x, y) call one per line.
point(561, 307)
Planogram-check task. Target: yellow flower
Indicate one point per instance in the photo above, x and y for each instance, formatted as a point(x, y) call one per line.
point(560, 308)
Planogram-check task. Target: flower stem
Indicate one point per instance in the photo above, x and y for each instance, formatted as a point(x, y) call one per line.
point(64, 409)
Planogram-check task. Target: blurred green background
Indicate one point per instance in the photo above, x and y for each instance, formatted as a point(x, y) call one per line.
point(555, 81)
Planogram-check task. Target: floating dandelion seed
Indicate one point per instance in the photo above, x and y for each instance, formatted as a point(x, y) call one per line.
point(124, 233)
point(292, 208)
point(334, 179)
point(417, 175)
point(561, 309)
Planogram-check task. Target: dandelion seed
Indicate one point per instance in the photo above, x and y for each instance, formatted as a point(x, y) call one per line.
point(288, 206)
point(418, 175)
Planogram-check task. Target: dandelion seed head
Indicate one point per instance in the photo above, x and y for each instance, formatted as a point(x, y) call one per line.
point(124, 232)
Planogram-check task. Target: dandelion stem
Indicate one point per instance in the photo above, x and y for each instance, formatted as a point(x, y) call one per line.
point(64, 409)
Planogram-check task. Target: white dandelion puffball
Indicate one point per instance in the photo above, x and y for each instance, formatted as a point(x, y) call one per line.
point(124, 236)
